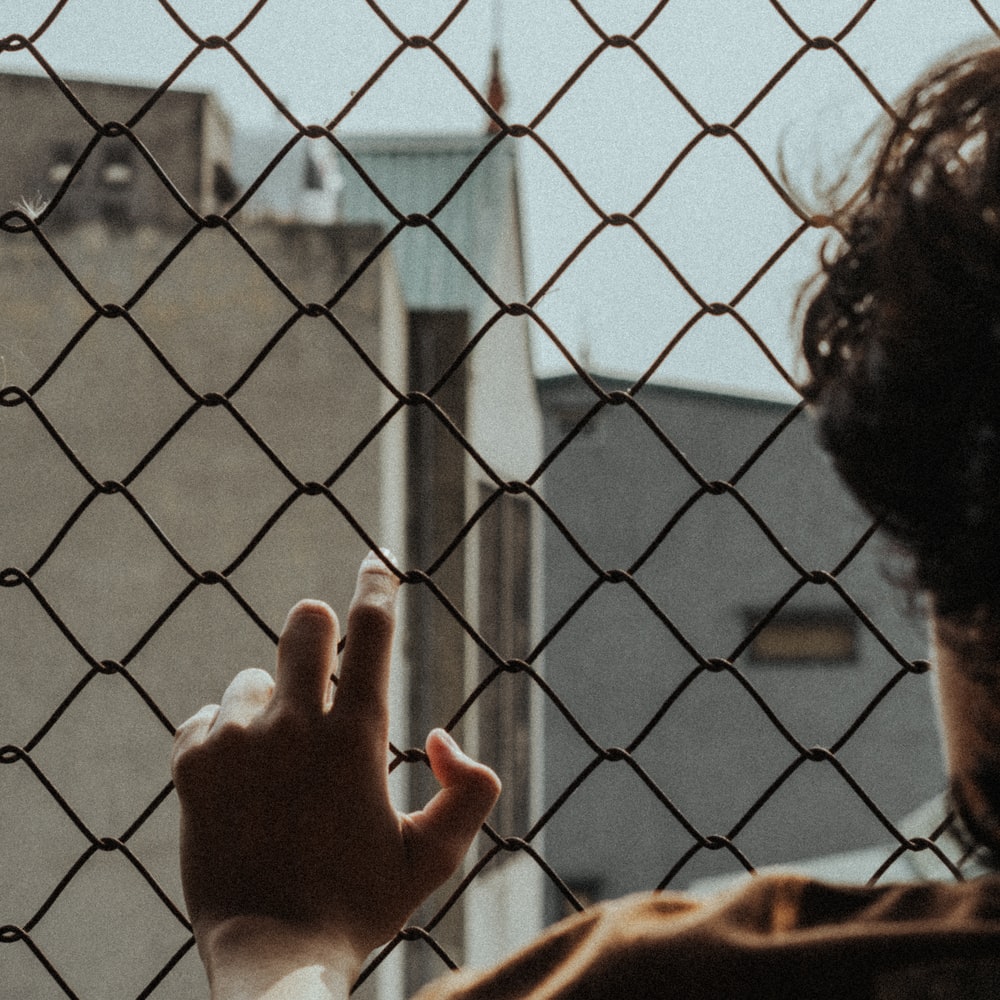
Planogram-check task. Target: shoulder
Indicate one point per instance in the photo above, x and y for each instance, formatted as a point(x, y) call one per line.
point(776, 936)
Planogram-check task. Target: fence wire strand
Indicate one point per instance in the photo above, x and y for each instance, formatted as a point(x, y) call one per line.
point(23, 225)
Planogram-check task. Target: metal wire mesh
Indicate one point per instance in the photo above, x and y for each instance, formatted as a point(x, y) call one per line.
point(36, 607)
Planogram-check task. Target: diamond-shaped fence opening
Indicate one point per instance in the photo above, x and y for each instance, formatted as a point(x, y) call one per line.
point(326, 281)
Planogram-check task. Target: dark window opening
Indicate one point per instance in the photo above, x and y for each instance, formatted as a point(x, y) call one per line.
point(118, 170)
point(312, 174)
point(118, 213)
point(569, 419)
point(224, 187)
point(60, 163)
point(804, 637)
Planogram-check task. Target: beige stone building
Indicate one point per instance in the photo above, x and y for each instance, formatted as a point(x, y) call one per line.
point(200, 425)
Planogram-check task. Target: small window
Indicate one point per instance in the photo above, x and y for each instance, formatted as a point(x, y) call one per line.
point(805, 637)
point(505, 589)
point(60, 163)
point(224, 187)
point(117, 213)
point(312, 173)
point(118, 171)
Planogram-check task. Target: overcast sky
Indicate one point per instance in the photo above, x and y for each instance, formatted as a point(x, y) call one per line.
point(617, 129)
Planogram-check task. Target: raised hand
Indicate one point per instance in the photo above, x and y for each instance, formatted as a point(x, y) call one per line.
point(294, 862)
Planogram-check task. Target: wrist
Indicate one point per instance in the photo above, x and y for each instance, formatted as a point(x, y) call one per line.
point(263, 958)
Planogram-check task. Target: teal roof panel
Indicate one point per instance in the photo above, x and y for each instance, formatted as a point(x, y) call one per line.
point(415, 175)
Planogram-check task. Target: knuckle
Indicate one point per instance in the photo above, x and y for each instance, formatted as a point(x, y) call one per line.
point(358, 713)
point(286, 721)
point(183, 731)
point(230, 736)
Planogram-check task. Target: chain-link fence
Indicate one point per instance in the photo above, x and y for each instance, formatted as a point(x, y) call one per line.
point(235, 357)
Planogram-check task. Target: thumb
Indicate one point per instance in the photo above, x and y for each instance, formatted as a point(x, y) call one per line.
point(446, 826)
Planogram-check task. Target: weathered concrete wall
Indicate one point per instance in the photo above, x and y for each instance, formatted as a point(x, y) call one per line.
point(209, 491)
point(210, 312)
point(43, 126)
point(615, 664)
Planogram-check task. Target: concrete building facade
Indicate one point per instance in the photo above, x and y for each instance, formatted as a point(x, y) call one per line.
point(169, 391)
point(475, 365)
point(54, 134)
point(632, 664)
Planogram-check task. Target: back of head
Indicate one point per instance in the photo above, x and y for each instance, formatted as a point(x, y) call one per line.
point(902, 338)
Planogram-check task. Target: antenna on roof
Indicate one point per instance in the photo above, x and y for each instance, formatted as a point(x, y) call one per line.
point(496, 93)
point(584, 351)
point(497, 22)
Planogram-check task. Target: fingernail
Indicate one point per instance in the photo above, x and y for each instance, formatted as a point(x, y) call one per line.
point(375, 561)
point(376, 578)
point(453, 746)
point(449, 739)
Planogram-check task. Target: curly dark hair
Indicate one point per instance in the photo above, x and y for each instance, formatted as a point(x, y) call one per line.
point(902, 338)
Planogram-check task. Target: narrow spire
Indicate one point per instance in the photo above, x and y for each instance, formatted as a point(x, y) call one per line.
point(584, 352)
point(496, 94)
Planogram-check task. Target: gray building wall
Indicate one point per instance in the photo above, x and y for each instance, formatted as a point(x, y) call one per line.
point(490, 396)
point(615, 664)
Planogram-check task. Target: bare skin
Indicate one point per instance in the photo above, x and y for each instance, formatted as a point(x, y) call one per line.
point(967, 699)
point(294, 862)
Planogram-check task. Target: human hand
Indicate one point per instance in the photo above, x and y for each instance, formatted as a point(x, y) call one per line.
point(291, 851)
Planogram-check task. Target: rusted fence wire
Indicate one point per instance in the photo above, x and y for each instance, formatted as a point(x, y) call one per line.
point(28, 415)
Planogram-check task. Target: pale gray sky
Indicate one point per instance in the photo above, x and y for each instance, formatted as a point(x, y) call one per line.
point(616, 129)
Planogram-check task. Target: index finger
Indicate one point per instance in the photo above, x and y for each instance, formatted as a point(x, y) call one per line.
point(363, 687)
point(307, 651)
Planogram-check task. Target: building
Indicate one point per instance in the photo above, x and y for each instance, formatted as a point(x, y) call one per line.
point(456, 296)
point(626, 664)
point(185, 132)
point(202, 424)
point(301, 177)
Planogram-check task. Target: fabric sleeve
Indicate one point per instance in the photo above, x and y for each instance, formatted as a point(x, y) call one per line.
point(779, 936)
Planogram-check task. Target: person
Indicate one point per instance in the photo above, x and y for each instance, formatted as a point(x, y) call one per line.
point(294, 863)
